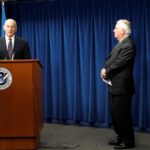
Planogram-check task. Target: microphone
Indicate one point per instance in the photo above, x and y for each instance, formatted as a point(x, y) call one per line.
point(12, 56)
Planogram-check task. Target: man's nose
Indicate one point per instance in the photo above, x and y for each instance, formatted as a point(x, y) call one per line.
point(10, 27)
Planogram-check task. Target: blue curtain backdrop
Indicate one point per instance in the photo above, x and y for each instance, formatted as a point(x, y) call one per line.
point(72, 38)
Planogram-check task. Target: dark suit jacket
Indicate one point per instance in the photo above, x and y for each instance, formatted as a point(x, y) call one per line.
point(119, 68)
point(20, 50)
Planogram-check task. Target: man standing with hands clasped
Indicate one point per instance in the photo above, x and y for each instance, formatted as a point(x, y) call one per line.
point(11, 46)
point(118, 73)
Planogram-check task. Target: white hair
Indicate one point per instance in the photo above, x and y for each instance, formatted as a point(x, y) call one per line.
point(124, 24)
point(10, 21)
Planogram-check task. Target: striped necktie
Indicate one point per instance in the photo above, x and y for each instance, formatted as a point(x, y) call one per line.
point(10, 48)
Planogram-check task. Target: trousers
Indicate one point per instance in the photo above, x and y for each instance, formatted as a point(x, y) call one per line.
point(120, 108)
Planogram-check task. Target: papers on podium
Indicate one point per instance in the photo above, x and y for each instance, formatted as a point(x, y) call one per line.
point(108, 81)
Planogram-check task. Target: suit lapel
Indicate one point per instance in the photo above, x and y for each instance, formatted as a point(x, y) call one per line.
point(15, 44)
point(4, 44)
point(117, 47)
point(114, 50)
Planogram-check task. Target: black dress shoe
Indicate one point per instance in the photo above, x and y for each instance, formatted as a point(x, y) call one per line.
point(115, 142)
point(124, 146)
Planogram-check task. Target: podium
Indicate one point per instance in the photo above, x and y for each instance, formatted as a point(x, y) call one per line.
point(21, 115)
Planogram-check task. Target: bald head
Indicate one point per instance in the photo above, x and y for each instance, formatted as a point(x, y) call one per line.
point(10, 27)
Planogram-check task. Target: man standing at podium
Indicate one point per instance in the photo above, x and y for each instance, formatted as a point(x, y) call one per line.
point(12, 46)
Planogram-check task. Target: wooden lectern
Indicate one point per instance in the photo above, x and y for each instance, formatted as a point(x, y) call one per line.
point(21, 116)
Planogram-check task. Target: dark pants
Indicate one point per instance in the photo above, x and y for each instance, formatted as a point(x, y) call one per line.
point(120, 106)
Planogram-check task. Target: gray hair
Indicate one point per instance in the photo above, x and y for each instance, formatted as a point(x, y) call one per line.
point(12, 21)
point(125, 24)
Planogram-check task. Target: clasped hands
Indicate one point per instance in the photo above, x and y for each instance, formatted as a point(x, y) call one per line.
point(103, 73)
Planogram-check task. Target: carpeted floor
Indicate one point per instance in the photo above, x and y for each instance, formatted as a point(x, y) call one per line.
point(58, 137)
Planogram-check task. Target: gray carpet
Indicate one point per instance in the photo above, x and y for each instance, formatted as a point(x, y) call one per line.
point(58, 137)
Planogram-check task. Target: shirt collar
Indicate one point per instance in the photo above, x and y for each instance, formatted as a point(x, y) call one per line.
point(13, 37)
point(123, 38)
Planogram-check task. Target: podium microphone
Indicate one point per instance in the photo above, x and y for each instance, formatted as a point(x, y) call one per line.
point(12, 56)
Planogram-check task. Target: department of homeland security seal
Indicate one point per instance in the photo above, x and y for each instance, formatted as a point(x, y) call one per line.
point(5, 78)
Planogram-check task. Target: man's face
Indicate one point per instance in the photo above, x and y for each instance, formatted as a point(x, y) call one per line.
point(118, 32)
point(10, 28)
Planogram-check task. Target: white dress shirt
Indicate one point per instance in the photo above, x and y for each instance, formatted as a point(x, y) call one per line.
point(7, 40)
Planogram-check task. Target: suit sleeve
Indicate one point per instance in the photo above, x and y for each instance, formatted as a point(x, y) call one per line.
point(124, 57)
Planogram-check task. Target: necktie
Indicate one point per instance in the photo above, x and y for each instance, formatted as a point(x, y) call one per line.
point(10, 48)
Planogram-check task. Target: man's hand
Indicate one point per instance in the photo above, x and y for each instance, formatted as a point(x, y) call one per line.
point(103, 73)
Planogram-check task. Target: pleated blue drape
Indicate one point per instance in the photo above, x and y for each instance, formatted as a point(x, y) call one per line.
point(72, 38)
